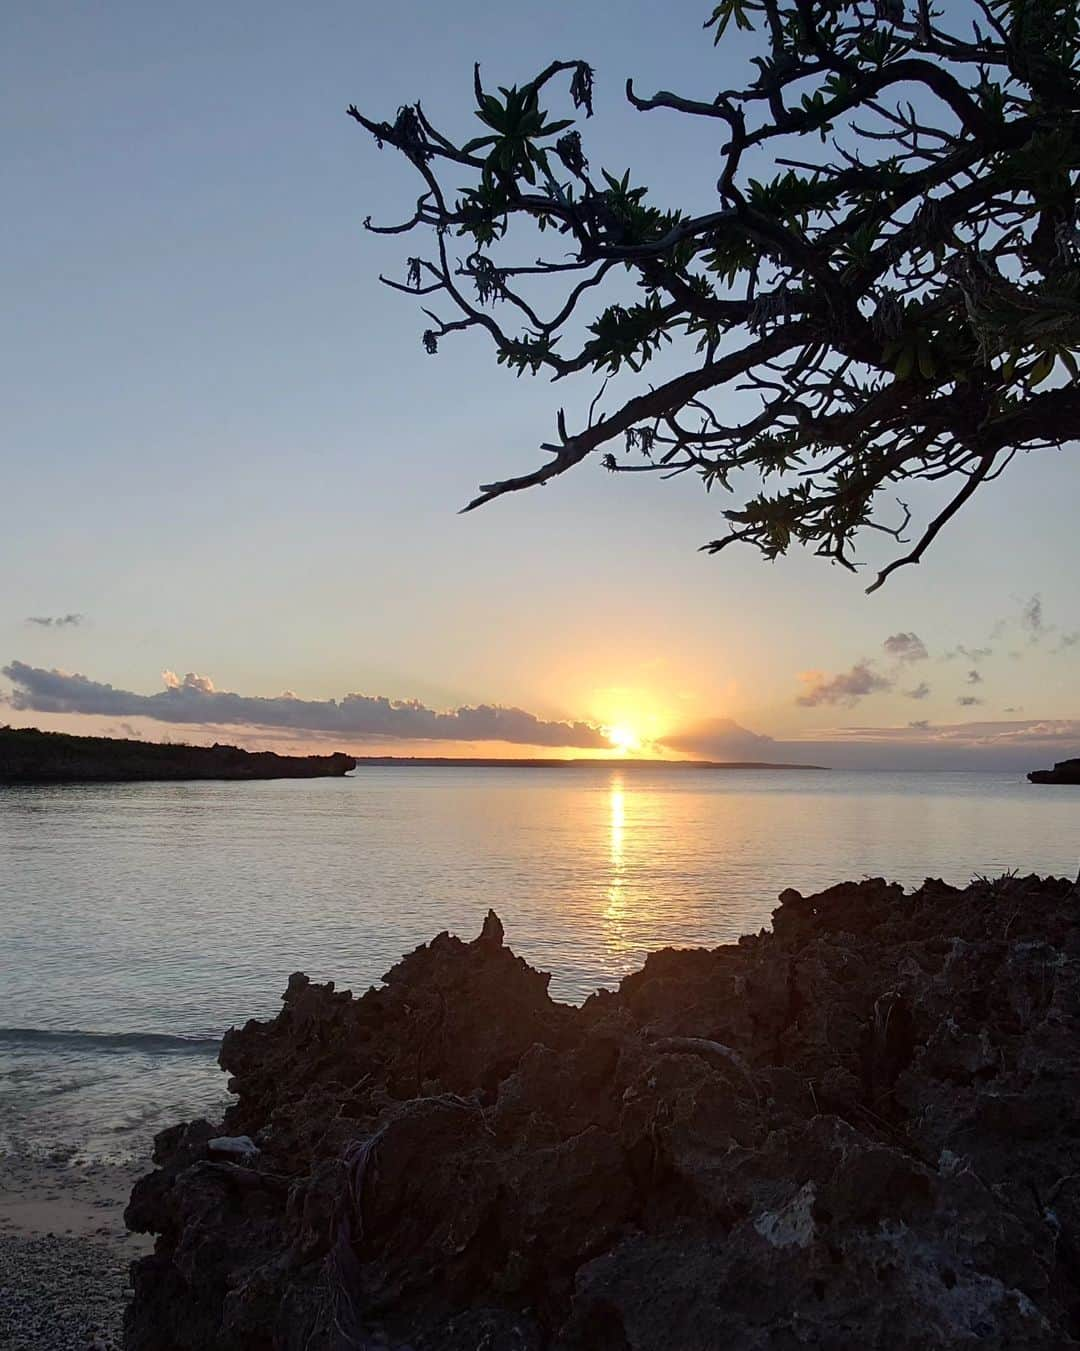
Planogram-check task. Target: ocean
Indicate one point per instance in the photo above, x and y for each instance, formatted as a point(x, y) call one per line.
point(138, 922)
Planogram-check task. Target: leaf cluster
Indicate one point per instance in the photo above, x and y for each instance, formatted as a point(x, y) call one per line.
point(897, 298)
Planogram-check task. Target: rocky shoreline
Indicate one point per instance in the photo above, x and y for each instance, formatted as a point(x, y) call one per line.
point(858, 1130)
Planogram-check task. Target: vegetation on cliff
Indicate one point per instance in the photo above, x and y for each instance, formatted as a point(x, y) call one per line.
point(28, 755)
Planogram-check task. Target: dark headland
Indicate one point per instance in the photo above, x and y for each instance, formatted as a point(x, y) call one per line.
point(1065, 771)
point(28, 755)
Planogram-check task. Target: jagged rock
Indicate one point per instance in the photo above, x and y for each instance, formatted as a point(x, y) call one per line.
point(861, 1130)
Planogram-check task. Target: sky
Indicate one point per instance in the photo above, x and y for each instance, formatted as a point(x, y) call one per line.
point(231, 475)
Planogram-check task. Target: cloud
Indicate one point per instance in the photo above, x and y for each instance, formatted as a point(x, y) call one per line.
point(1028, 620)
point(355, 717)
point(974, 678)
point(973, 654)
point(197, 682)
point(921, 690)
point(56, 621)
point(925, 745)
point(905, 647)
point(921, 744)
point(1031, 618)
point(719, 738)
point(968, 701)
point(845, 688)
point(1033, 621)
point(1045, 732)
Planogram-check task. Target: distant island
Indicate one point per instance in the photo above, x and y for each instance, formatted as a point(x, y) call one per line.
point(29, 756)
point(493, 762)
point(1065, 771)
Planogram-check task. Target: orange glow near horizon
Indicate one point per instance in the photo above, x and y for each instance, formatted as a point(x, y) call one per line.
point(623, 737)
point(634, 719)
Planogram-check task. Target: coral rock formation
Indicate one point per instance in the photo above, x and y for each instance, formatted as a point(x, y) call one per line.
point(860, 1130)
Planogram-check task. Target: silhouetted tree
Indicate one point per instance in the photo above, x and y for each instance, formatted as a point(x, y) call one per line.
point(899, 289)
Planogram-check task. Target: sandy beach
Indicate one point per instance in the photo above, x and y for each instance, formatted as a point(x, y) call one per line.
point(64, 1253)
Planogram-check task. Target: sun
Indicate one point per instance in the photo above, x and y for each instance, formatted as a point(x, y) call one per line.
point(623, 738)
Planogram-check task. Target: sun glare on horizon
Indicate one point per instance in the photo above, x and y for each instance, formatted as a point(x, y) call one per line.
point(623, 737)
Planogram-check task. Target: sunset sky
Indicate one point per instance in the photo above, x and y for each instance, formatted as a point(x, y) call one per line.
point(231, 475)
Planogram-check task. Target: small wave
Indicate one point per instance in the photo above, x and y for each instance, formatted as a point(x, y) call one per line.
point(157, 1043)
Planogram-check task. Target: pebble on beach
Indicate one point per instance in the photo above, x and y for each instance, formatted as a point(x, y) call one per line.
point(64, 1254)
point(62, 1293)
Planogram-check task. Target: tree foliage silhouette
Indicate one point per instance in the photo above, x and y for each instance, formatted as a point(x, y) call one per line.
point(897, 294)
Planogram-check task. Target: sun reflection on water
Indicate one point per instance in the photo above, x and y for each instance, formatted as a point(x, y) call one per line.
point(615, 914)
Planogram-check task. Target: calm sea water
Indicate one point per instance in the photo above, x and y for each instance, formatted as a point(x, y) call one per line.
point(137, 922)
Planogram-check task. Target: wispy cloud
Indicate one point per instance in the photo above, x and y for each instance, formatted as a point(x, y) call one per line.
point(194, 699)
point(968, 701)
point(1031, 619)
point(55, 621)
point(921, 691)
point(972, 654)
point(848, 687)
point(974, 678)
point(905, 647)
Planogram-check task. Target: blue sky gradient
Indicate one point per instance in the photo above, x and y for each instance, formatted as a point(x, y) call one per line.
point(225, 447)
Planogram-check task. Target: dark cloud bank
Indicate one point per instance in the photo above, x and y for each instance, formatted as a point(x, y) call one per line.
point(722, 739)
point(194, 700)
point(922, 745)
point(356, 717)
